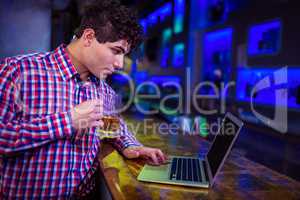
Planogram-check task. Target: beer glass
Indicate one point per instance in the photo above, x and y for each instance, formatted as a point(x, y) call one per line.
point(111, 116)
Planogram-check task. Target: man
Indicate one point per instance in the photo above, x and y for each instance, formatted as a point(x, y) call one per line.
point(46, 152)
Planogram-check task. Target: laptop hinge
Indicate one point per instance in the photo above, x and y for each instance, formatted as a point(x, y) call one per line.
point(208, 171)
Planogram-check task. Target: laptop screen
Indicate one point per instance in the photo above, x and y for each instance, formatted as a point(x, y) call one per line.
point(221, 144)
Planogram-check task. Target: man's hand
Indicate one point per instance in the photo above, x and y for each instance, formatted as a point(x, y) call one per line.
point(152, 155)
point(87, 114)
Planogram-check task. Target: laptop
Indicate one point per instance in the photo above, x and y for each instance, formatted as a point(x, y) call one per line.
point(194, 171)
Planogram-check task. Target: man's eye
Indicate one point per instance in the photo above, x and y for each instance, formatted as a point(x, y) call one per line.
point(116, 51)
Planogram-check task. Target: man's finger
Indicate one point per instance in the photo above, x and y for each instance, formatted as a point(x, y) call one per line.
point(161, 156)
point(97, 123)
point(154, 158)
point(96, 116)
point(99, 107)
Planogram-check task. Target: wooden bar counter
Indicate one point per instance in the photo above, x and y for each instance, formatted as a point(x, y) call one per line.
point(239, 178)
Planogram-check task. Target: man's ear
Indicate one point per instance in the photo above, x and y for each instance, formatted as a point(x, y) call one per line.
point(88, 36)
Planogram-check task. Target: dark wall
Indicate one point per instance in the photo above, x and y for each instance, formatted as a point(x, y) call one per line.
point(241, 21)
point(25, 26)
point(288, 13)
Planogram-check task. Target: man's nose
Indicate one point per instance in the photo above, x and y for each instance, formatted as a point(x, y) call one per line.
point(119, 62)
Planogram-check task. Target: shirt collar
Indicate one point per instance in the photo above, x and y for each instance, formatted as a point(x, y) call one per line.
point(66, 68)
point(94, 79)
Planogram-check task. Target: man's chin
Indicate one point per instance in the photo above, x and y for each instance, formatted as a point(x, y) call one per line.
point(103, 76)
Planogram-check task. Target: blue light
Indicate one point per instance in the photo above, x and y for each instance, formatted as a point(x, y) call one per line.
point(152, 19)
point(165, 57)
point(165, 11)
point(179, 15)
point(199, 17)
point(165, 47)
point(120, 79)
point(140, 76)
point(217, 54)
point(166, 35)
point(247, 78)
point(264, 38)
point(218, 35)
point(143, 23)
point(178, 55)
point(163, 79)
point(158, 15)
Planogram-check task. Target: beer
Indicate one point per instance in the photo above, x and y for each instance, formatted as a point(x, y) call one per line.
point(110, 128)
point(111, 118)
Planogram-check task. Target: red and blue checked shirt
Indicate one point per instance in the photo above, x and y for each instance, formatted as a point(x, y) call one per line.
point(41, 155)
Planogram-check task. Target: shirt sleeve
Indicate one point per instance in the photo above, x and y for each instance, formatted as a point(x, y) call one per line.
point(127, 139)
point(17, 134)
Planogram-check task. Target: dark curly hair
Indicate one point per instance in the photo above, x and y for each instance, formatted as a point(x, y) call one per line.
point(111, 22)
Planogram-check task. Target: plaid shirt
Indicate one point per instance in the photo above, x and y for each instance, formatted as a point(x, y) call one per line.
point(41, 155)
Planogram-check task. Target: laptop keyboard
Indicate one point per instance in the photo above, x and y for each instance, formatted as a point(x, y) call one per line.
point(186, 169)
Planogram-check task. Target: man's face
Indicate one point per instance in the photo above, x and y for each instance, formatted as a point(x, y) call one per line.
point(104, 58)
